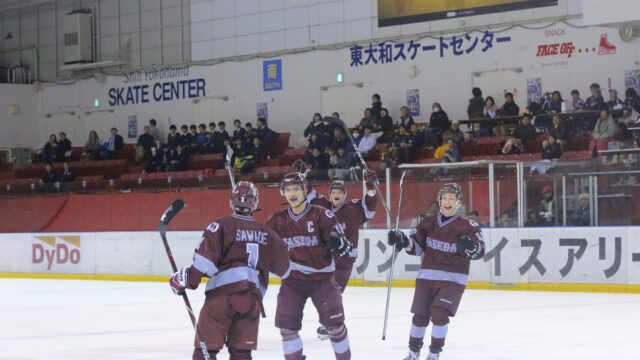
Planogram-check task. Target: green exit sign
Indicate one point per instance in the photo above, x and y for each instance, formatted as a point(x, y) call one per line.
point(339, 78)
point(96, 103)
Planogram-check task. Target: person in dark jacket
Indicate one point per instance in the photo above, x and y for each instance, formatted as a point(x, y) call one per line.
point(405, 118)
point(595, 102)
point(475, 110)
point(315, 126)
point(67, 174)
point(178, 160)
point(144, 144)
point(438, 124)
point(64, 147)
point(155, 162)
point(263, 132)
point(238, 130)
point(551, 150)
point(174, 139)
point(376, 106)
point(560, 131)
point(48, 178)
point(581, 215)
point(259, 153)
point(616, 106)
point(556, 102)
point(50, 149)
point(114, 145)
point(525, 131)
point(367, 120)
point(510, 108)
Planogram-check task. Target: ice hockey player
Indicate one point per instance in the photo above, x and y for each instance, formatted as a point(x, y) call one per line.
point(237, 254)
point(313, 239)
point(447, 243)
point(350, 216)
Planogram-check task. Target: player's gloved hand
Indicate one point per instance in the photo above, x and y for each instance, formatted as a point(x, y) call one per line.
point(370, 177)
point(179, 281)
point(469, 248)
point(339, 246)
point(398, 239)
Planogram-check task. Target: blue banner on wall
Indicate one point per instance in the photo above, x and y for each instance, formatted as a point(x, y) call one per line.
point(272, 75)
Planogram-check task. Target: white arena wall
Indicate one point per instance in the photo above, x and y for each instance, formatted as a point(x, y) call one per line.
point(562, 259)
point(233, 89)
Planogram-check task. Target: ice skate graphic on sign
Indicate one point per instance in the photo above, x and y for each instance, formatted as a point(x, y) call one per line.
point(606, 48)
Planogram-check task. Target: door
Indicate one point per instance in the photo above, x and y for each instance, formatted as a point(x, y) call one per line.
point(348, 101)
point(499, 82)
point(208, 110)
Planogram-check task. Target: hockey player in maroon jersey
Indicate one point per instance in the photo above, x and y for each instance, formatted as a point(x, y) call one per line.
point(237, 254)
point(447, 243)
point(350, 216)
point(311, 233)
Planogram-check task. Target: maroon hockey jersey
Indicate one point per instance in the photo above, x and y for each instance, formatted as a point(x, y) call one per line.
point(350, 215)
point(436, 239)
point(237, 253)
point(307, 235)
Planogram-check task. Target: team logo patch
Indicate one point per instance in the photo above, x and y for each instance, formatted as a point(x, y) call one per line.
point(473, 223)
point(213, 227)
point(329, 214)
point(413, 231)
point(355, 201)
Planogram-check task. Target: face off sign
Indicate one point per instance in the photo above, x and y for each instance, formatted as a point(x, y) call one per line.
point(58, 251)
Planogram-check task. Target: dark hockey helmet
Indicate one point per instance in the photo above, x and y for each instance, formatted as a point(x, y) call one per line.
point(452, 188)
point(337, 185)
point(294, 178)
point(244, 198)
point(299, 166)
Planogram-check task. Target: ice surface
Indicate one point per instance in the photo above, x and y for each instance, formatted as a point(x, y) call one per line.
point(67, 319)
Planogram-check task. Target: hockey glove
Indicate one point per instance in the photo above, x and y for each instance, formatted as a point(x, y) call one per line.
point(370, 177)
point(179, 281)
point(398, 239)
point(339, 246)
point(469, 248)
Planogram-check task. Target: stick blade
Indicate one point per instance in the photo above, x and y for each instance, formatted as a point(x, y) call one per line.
point(336, 121)
point(172, 211)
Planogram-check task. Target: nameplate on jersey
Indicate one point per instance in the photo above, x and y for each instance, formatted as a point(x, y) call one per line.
point(300, 241)
point(253, 236)
point(442, 245)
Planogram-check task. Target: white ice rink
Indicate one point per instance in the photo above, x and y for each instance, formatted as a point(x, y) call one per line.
point(59, 319)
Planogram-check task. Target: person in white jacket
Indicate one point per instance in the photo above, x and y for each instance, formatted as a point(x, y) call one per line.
point(368, 141)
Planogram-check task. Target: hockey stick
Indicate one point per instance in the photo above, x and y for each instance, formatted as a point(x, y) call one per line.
point(172, 211)
point(393, 262)
point(229, 167)
point(341, 123)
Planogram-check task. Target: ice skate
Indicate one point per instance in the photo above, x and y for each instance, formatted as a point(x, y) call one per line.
point(434, 353)
point(605, 47)
point(323, 334)
point(412, 356)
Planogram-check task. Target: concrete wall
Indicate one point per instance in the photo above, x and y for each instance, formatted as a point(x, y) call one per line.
point(21, 129)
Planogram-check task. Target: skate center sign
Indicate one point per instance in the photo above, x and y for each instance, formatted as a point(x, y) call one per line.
point(514, 256)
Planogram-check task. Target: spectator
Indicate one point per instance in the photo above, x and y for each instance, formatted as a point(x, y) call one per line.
point(454, 133)
point(475, 110)
point(185, 138)
point(595, 102)
point(367, 120)
point(452, 154)
point(400, 136)
point(165, 152)
point(475, 216)
point(49, 176)
point(356, 137)
point(632, 102)
point(212, 128)
point(263, 132)
point(173, 139)
point(155, 161)
point(222, 129)
point(316, 141)
point(368, 141)
point(556, 102)
point(155, 132)
point(242, 159)
point(332, 156)
point(250, 132)
point(506, 220)
point(202, 140)
point(144, 144)
point(581, 215)
point(344, 162)
point(551, 150)
point(50, 149)
point(510, 108)
point(410, 145)
point(545, 102)
point(335, 114)
point(238, 131)
point(615, 105)
point(376, 106)
point(218, 138)
point(513, 146)
point(525, 131)
point(178, 160)
point(603, 132)
point(405, 117)
point(67, 174)
point(547, 205)
point(340, 140)
point(386, 121)
point(438, 124)
point(534, 219)
point(92, 147)
point(490, 112)
point(259, 153)
point(319, 165)
point(193, 145)
point(115, 144)
point(577, 103)
point(64, 147)
point(560, 131)
point(316, 125)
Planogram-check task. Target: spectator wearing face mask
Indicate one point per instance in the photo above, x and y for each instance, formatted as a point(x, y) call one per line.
point(438, 124)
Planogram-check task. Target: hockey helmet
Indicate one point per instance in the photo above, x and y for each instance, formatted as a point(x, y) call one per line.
point(337, 185)
point(452, 188)
point(244, 198)
point(294, 178)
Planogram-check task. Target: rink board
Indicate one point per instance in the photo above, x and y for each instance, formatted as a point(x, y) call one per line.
point(581, 259)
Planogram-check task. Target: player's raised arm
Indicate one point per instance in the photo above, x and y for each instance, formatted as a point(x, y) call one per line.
point(280, 259)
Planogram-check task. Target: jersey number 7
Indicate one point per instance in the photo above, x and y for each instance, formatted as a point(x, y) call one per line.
point(254, 254)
